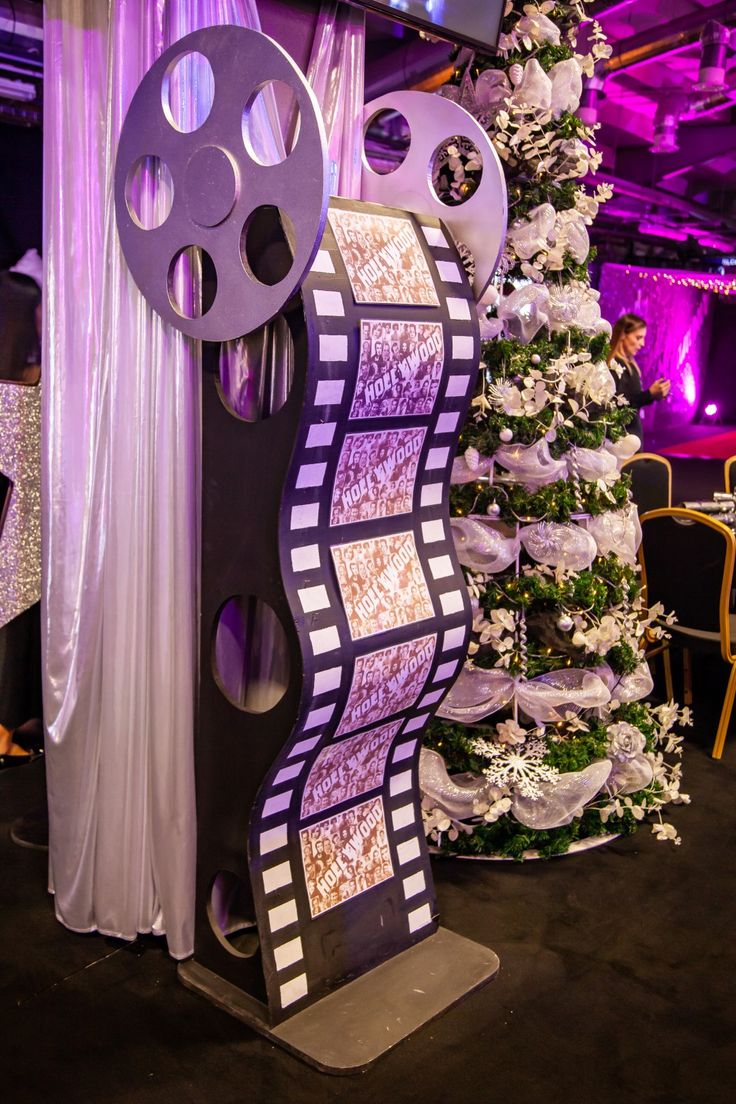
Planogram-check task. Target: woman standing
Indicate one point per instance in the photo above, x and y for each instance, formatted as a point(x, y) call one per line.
point(627, 338)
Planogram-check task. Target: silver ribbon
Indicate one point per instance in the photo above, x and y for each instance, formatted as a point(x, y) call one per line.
point(482, 546)
point(566, 546)
point(458, 795)
point(562, 800)
point(478, 693)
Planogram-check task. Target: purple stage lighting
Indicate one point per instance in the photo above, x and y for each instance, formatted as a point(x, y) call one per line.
point(711, 410)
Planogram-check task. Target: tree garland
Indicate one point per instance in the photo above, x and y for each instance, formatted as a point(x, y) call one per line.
point(545, 391)
point(556, 501)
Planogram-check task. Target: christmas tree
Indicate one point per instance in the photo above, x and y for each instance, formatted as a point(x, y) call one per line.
point(546, 738)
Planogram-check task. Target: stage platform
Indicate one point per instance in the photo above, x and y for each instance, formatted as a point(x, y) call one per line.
point(705, 442)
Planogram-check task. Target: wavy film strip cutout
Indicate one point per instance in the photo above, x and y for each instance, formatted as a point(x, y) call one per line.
point(336, 839)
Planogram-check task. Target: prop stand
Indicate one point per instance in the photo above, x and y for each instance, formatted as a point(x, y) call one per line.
point(325, 534)
point(346, 1031)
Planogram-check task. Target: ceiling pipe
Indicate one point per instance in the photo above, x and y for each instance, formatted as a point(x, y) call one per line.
point(665, 130)
point(714, 40)
point(661, 230)
point(655, 196)
point(714, 102)
point(681, 34)
point(590, 99)
point(699, 145)
point(666, 123)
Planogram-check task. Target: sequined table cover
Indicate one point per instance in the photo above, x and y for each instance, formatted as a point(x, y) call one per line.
point(20, 461)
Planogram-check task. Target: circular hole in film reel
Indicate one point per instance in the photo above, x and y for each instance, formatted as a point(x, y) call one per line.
point(265, 247)
point(231, 914)
point(386, 142)
point(188, 91)
point(456, 170)
point(149, 192)
point(250, 655)
point(271, 123)
point(217, 185)
point(192, 282)
point(257, 371)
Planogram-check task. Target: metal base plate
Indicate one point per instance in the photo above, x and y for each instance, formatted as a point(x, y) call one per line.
point(346, 1031)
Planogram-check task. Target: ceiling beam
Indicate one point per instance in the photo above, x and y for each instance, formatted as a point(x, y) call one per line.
point(698, 145)
point(628, 125)
point(599, 9)
point(661, 198)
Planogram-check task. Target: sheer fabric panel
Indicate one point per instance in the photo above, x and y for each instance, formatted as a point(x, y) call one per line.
point(120, 474)
point(121, 457)
point(336, 72)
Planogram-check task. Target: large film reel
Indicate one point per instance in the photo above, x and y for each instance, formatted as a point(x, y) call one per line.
point(225, 201)
point(308, 808)
point(479, 222)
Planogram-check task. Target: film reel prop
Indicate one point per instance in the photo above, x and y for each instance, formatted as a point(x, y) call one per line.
point(434, 122)
point(327, 524)
point(234, 198)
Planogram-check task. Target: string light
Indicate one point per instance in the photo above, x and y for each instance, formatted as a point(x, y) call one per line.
point(719, 285)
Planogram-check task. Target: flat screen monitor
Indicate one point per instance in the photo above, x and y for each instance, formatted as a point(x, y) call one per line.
point(474, 23)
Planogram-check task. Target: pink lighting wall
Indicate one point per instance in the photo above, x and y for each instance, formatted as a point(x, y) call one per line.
point(678, 307)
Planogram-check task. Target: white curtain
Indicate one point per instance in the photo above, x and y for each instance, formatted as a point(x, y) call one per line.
point(120, 488)
point(336, 72)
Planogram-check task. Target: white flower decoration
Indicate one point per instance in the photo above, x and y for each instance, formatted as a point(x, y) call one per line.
point(665, 832)
point(534, 28)
point(625, 741)
point(509, 732)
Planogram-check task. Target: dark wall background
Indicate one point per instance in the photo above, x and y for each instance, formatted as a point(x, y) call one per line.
point(719, 384)
point(20, 192)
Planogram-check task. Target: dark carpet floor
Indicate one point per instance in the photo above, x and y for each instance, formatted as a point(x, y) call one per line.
point(616, 981)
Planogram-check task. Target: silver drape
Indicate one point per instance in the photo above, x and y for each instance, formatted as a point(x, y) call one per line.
point(121, 452)
point(120, 514)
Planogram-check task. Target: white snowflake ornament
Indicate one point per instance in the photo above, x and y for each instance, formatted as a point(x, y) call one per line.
point(517, 768)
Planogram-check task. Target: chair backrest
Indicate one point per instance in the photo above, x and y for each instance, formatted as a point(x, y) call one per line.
point(688, 560)
point(729, 474)
point(651, 481)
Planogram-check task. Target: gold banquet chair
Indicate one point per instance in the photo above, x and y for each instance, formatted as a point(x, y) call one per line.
point(651, 480)
point(729, 475)
point(687, 563)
